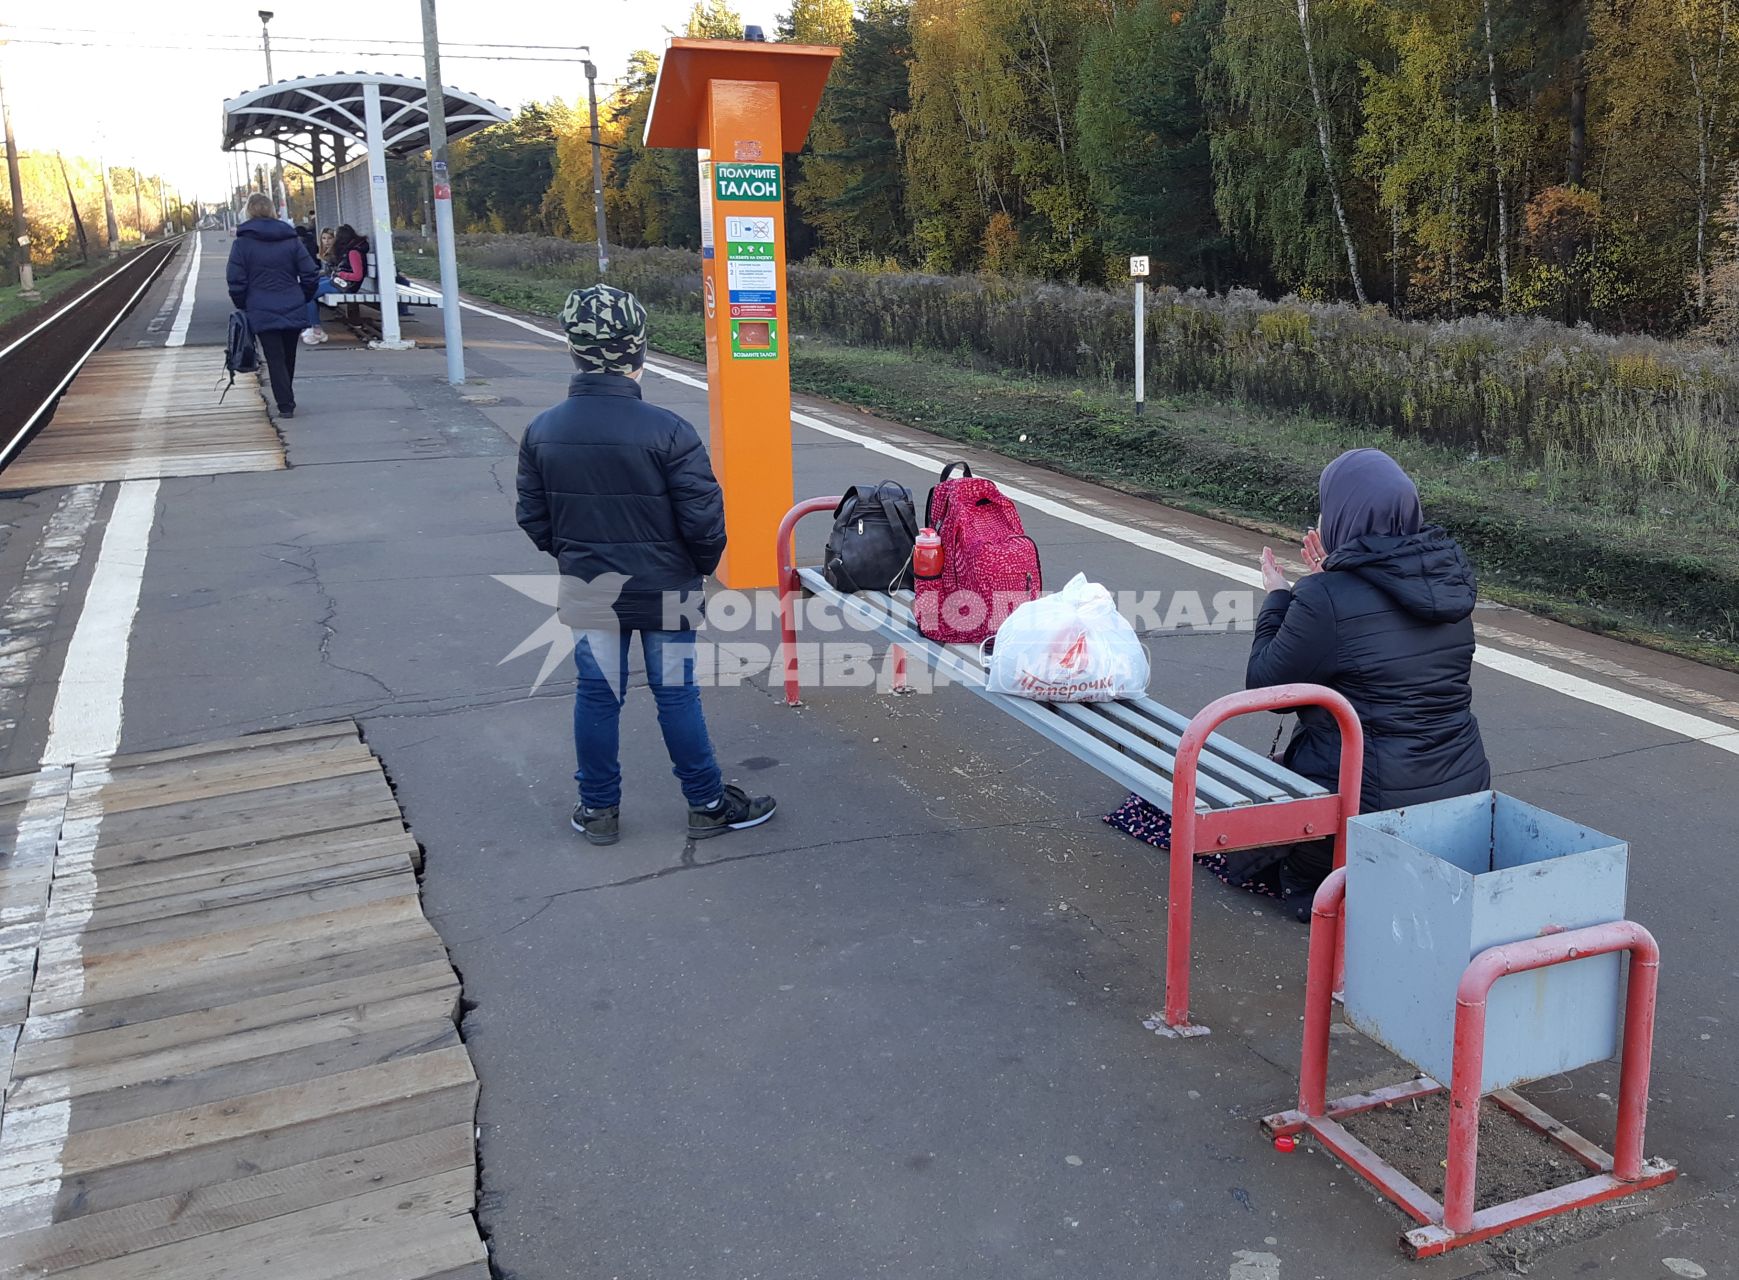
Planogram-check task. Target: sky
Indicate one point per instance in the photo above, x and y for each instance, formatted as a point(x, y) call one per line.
point(117, 77)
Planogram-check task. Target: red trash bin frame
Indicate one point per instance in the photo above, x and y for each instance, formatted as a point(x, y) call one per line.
point(1455, 1221)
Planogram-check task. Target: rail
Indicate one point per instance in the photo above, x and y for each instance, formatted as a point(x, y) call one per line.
point(151, 261)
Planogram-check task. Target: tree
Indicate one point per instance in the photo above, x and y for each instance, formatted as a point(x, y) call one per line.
point(991, 130)
point(817, 22)
point(1497, 159)
point(1426, 152)
point(501, 174)
point(714, 20)
point(1144, 139)
point(1284, 86)
point(824, 22)
point(1663, 76)
point(852, 191)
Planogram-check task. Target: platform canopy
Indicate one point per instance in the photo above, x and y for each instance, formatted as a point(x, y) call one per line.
point(342, 128)
point(296, 112)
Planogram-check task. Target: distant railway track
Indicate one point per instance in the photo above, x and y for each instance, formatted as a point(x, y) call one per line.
point(37, 366)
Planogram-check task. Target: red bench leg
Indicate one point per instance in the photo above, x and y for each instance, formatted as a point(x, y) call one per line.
point(1185, 842)
point(790, 589)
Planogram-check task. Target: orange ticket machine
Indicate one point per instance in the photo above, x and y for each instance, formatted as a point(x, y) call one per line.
point(744, 104)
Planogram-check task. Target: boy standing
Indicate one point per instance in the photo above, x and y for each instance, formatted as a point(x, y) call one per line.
point(619, 490)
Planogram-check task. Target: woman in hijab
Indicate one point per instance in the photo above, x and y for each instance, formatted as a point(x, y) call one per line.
point(1383, 617)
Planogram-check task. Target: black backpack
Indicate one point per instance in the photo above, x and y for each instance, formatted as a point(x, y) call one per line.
point(240, 355)
point(870, 548)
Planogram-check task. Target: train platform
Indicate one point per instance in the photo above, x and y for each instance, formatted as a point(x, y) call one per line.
point(897, 1031)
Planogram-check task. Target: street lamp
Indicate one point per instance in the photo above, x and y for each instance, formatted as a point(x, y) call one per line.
point(280, 195)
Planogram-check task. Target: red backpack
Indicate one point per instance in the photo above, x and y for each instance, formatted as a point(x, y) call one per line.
point(989, 565)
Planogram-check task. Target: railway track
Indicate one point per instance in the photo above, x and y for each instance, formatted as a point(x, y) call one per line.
point(37, 366)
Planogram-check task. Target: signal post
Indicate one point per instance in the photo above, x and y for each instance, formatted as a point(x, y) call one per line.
point(743, 104)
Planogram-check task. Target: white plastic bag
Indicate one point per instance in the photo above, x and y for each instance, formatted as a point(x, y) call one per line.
point(1069, 647)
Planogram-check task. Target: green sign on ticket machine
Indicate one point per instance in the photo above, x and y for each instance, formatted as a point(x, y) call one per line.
point(755, 339)
point(747, 181)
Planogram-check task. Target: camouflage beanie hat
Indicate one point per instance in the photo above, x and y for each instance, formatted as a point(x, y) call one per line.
point(606, 329)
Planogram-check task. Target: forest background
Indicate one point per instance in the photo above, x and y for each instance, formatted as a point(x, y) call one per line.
point(1498, 237)
point(1573, 159)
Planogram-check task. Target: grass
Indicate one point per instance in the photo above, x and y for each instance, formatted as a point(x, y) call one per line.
point(1650, 562)
point(50, 285)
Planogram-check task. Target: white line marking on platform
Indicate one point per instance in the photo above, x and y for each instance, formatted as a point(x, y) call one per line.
point(86, 721)
point(184, 317)
point(1698, 729)
point(31, 608)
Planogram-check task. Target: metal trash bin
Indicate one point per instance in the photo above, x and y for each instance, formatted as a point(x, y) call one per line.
point(1431, 886)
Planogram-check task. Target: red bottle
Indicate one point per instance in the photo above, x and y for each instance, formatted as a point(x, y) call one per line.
point(927, 554)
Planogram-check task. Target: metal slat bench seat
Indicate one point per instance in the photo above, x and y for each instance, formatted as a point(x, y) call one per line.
point(1222, 796)
point(369, 291)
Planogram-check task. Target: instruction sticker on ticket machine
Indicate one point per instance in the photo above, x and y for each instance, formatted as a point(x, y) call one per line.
point(752, 282)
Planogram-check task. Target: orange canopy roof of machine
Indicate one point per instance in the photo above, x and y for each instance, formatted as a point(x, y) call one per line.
point(679, 98)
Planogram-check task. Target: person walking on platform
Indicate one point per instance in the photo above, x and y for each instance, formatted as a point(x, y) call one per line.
point(622, 494)
point(272, 278)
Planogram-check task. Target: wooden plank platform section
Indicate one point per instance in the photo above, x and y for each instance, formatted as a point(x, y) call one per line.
point(151, 411)
point(240, 1056)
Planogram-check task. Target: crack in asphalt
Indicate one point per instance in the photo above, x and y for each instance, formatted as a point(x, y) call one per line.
point(1611, 755)
point(687, 862)
point(325, 621)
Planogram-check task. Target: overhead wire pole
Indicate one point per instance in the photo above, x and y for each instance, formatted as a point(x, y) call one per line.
point(441, 181)
point(597, 168)
point(280, 194)
point(20, 224)
point(109, 207)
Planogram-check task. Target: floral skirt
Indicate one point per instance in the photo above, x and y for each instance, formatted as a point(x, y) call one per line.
point(1255, 870)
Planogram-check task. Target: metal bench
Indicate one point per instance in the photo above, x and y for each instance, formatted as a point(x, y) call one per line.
point(1221, 795)
point(410, 295)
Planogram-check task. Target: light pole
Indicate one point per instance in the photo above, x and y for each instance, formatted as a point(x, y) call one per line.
point(597, 167)
point(280, 195)
point(443, 193)
point(20, 224)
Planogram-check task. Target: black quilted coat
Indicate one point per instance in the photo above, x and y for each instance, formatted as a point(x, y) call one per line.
point(1388, 624)
point(622, 494)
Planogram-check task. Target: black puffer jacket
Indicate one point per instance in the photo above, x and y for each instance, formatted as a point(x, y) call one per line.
point(1387, 623)
point(621, 492)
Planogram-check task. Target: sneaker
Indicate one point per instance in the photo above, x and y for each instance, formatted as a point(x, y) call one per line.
point(287, 413)
point(602, 825)
point(733, 811)
point(312, 337)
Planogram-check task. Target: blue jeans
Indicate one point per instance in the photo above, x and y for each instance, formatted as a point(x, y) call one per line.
point(598, 700)
point(327, 285)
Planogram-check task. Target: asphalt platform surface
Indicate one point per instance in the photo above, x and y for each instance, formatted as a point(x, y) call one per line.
point(898, 1031)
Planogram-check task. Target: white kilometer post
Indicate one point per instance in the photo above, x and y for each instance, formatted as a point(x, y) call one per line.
point(1138, 271)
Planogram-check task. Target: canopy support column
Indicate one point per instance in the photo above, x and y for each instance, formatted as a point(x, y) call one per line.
point(386, 268)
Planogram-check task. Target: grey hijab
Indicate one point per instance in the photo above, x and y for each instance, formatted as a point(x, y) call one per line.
point(1364, 491)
